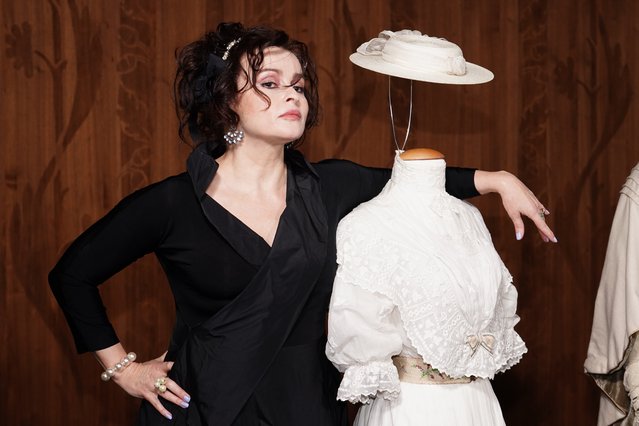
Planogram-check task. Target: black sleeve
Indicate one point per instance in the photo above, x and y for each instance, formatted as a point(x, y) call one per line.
point(356, 184)
point(345, 184)
point(460, 182)
point(135, 227)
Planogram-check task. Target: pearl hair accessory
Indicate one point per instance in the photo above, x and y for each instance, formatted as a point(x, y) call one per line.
point(228, 48)
point(233, 136)
point(126, 361)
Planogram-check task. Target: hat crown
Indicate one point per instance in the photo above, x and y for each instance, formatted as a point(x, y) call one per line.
point(411, 54)
point(423, 52)
point(413, 50)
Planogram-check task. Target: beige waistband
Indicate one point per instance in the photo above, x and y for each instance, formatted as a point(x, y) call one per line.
point(415, 370)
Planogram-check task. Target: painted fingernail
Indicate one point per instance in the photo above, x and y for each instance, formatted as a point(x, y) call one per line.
point(545, 239)
point(187, 398)
point(184, 404)
point(169, 416)
point(555, 240)
point(518, 236)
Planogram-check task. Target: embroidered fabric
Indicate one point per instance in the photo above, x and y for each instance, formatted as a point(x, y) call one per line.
point(415, 370)
point(430, 257)
point(437, 325)
point(361, 383)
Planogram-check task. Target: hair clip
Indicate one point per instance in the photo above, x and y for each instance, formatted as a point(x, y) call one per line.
point(229, 46)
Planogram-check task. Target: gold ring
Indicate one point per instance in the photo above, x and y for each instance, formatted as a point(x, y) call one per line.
point(160, 385)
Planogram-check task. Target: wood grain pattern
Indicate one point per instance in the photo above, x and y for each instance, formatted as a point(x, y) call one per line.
point(87, 117)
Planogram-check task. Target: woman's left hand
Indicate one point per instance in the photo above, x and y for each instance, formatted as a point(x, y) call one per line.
point(518, 200)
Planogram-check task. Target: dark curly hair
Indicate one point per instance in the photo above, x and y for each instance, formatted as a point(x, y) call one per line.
point(205, 86)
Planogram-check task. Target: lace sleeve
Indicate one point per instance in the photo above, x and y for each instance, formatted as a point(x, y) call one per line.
point(363, 335)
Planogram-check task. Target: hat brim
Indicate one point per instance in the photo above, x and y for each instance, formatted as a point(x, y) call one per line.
point(474, 73)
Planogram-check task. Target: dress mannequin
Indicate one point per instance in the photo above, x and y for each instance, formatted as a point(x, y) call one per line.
point(422, 312)
point(423, 309)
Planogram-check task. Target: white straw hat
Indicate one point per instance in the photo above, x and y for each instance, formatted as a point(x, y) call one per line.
point(411, 55)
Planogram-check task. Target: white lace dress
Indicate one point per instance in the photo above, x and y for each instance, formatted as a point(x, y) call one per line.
point(418, 277)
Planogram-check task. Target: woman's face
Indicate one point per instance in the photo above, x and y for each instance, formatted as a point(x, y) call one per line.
point(281, 79)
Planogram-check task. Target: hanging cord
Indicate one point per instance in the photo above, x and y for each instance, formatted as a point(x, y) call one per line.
point(410, 114)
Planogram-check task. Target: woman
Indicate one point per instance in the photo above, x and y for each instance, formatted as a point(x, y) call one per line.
point(247, 239)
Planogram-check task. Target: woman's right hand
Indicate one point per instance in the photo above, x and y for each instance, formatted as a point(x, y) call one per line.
point(139, 380)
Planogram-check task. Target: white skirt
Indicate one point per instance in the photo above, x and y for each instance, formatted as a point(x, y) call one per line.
point(467, 404)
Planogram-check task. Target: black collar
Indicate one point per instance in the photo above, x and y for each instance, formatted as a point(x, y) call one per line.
point(201, 167)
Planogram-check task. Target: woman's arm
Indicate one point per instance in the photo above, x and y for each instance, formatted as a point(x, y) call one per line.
point(132, 229)
point(518, 200)
point(135, 227)
point(353, 184)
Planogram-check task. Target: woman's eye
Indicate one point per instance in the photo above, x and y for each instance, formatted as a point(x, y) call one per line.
point(269, 85)
point(298, 89)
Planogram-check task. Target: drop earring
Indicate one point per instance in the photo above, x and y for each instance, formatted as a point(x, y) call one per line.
point(233, 136)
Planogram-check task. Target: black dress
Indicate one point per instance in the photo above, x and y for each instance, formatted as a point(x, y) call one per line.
point(249, 339)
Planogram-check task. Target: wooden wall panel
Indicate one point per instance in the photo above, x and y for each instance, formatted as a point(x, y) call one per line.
point(86, 118)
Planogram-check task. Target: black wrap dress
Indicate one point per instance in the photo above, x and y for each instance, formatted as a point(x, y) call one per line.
point(249, 339)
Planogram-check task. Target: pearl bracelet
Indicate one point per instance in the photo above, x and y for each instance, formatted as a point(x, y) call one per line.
point(126, 361)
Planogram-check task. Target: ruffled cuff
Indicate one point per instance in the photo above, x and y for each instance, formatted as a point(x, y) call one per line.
point(361, 383)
